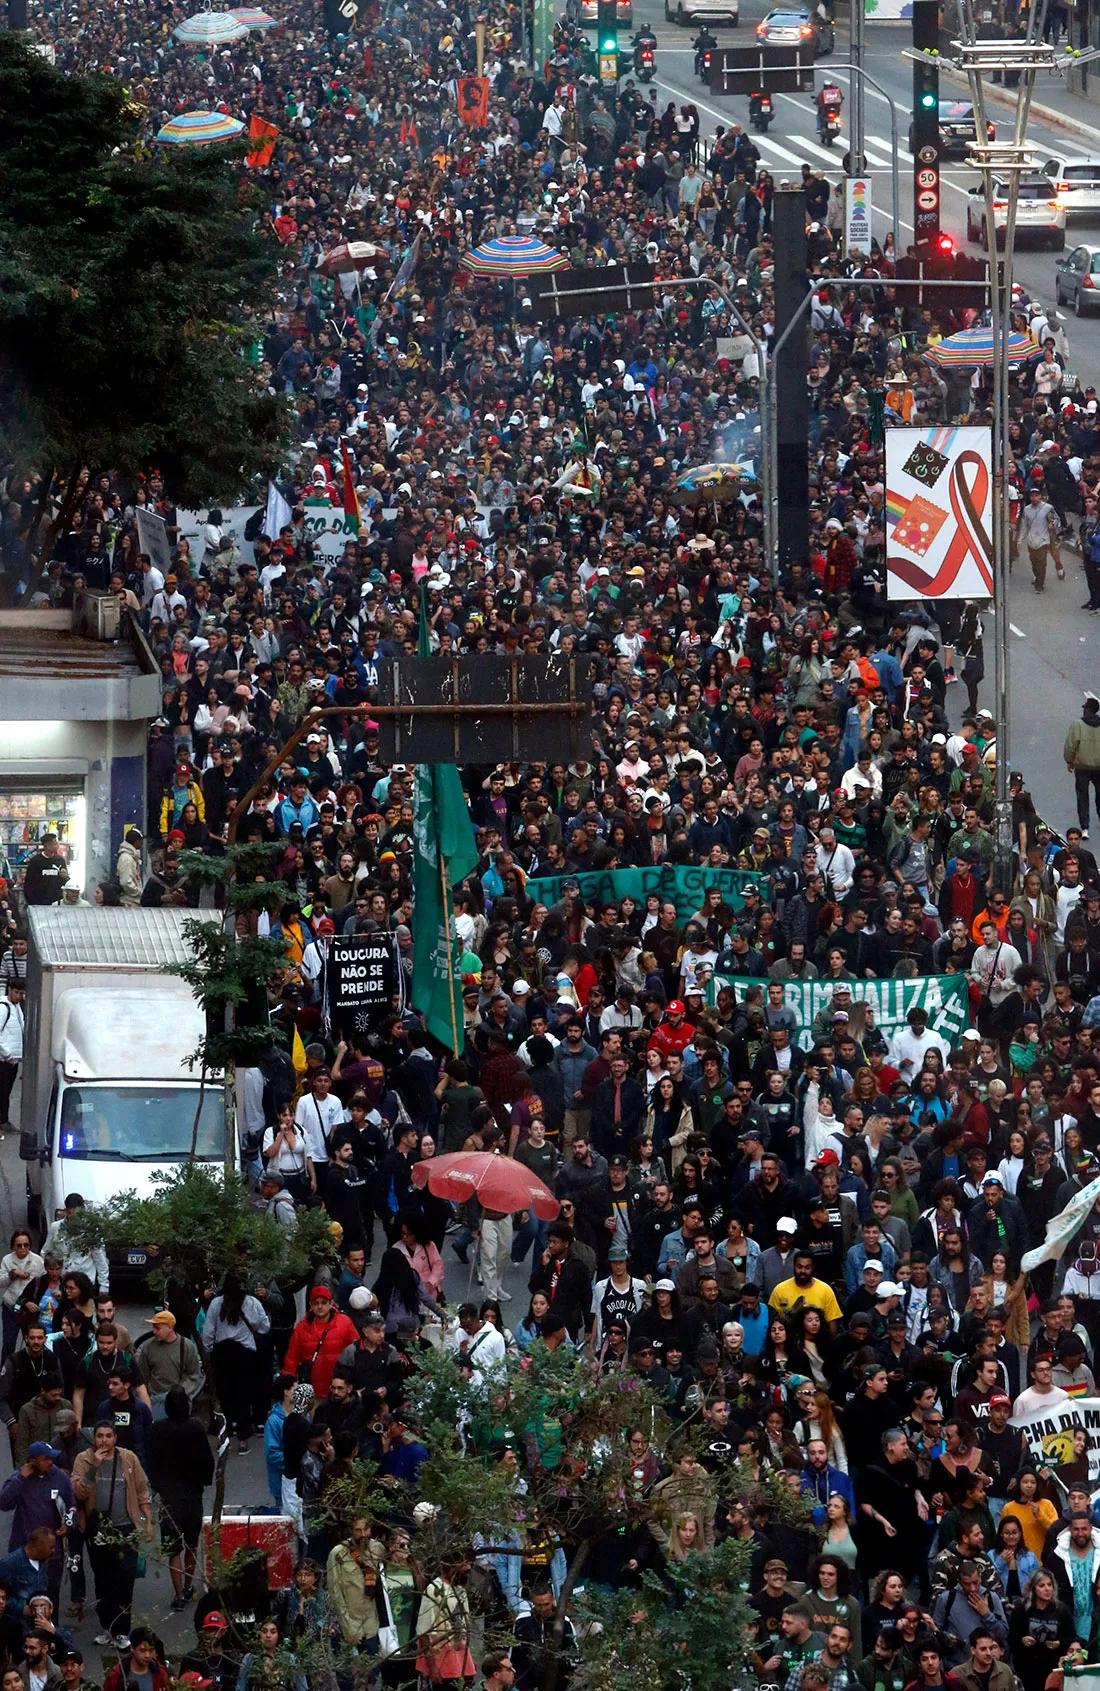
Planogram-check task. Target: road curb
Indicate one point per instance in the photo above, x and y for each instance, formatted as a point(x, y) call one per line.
point(1044, 114)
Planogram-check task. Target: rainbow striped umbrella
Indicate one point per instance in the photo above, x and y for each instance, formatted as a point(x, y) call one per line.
point(975, 347)
point(199, 129)
point(514, 255)
point(253, 18)
point(210, 29)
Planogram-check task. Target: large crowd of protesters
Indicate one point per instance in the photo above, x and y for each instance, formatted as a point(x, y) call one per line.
point(805, 1236)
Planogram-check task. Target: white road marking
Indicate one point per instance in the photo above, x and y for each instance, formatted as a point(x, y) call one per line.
point(1018, 632)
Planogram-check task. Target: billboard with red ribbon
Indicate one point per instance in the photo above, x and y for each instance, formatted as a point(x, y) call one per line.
point(939, 513)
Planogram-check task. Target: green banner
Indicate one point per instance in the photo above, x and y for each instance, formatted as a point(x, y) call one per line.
point(445, 853)
point(944, 997)
point(542, 13)
point(682, 884)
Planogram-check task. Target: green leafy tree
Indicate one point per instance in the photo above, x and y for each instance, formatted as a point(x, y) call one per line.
point(540, 1453)
point(200, 1224)
point(122, 272)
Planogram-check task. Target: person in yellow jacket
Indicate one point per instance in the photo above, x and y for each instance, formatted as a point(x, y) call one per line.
point(184, 790)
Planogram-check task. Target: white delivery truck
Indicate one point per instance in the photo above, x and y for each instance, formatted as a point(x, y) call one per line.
point(108, 1098)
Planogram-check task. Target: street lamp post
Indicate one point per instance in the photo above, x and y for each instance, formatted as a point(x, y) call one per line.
point(895, 166)
point(855, 66)
point(976, 59)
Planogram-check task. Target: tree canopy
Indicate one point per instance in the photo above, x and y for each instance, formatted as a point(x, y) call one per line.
point(122, 275)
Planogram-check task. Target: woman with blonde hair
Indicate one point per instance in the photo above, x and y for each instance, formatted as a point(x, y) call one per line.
point(686, 1538)
point(814, 1408)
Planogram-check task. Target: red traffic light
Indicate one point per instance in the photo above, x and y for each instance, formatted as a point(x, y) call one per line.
point(945, 246)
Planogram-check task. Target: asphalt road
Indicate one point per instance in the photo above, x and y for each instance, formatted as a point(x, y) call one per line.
point(1054, 648)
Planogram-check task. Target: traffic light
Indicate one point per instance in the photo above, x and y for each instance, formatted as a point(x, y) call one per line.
point(945, 246)
point(926, 124)
point(607, 31)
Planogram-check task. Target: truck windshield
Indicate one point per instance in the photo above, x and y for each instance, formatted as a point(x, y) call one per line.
point(138, 1124)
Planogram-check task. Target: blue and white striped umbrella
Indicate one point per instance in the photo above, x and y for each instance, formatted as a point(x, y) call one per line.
point(210, 29)
point(514, 255)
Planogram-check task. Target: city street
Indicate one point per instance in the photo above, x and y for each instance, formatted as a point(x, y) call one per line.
point(1055, 649)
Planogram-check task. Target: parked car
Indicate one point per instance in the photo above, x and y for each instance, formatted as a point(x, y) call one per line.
point(1077, 181)
point(1077, 279)
point(793, 26)
point(958, 128)
point(1040, 214)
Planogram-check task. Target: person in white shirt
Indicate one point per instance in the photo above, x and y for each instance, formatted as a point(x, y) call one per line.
point(993, 965)
point(11, 1046)
point(318, 1112)
point(93, 1263)
point(836, 863)
point(909, 1044)
point(1042, 1392)
point(476, 1345)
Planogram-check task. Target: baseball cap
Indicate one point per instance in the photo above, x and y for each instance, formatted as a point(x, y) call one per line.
point(618, 1253)
point(214, 1618)
point(827, 1159)
point(786, 1224)
point(665, 1285)
point(41, 1448)
point(1000, 1397)
point(992, 1178)
point(675, 1007)
point(873, 1262)
point(888, 1288)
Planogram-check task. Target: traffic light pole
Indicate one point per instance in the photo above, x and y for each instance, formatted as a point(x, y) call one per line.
point(926, 125)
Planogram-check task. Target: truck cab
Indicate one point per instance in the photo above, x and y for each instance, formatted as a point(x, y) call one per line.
point(108, 1098)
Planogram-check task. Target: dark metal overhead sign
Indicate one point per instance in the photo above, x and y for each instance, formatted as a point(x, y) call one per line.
point(485, 709)
point(581, 292)
point(779, 70)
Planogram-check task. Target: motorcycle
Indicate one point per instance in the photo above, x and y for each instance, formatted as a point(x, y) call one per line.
point(702, 63)
point(829, 125)
point(761, 110)
point(644, 67)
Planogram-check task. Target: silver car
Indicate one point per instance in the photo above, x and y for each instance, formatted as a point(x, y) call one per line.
point(796, 26)
point(703, 11)
point(1077, 279)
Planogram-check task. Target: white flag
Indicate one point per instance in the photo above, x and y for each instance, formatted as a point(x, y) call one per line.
point(1062, 1227)
point(277, 514)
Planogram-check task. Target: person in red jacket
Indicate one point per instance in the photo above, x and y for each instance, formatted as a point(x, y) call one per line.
point(317, 1341)
point(673, 1033)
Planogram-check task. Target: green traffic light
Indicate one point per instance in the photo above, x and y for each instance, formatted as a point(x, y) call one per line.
point(928, 100)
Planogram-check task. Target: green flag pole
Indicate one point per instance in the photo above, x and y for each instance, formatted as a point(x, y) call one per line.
point(444, 893)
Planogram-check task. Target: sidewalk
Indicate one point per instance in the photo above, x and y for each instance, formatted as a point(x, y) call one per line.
point(1053, 102)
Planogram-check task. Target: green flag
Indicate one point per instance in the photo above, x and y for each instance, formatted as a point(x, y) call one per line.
point(443, 836)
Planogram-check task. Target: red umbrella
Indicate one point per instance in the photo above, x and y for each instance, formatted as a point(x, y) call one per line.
point(499, 1183)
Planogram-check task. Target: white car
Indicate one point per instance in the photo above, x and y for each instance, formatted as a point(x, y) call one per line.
point(585, 12)
point(1077, 181)
point(703, 11)
point(1040, 214)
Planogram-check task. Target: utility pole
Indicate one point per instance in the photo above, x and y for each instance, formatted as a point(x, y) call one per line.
point(857, 162)
point(1004, 161)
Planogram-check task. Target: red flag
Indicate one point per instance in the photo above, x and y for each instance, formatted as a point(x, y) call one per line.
point(473, 100)
point(265, 135)
point(352, 514)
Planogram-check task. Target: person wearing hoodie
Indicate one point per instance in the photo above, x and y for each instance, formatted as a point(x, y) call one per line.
point(1074, 1560)
point(128, 869)
point(1081, 752)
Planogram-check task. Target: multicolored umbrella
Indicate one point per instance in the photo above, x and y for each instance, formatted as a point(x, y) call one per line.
point(199, 129)
point(514, 255)
point(253, 18)
point(210, 29)
point(715, 484)
point(346, 256)
point(972, 347)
